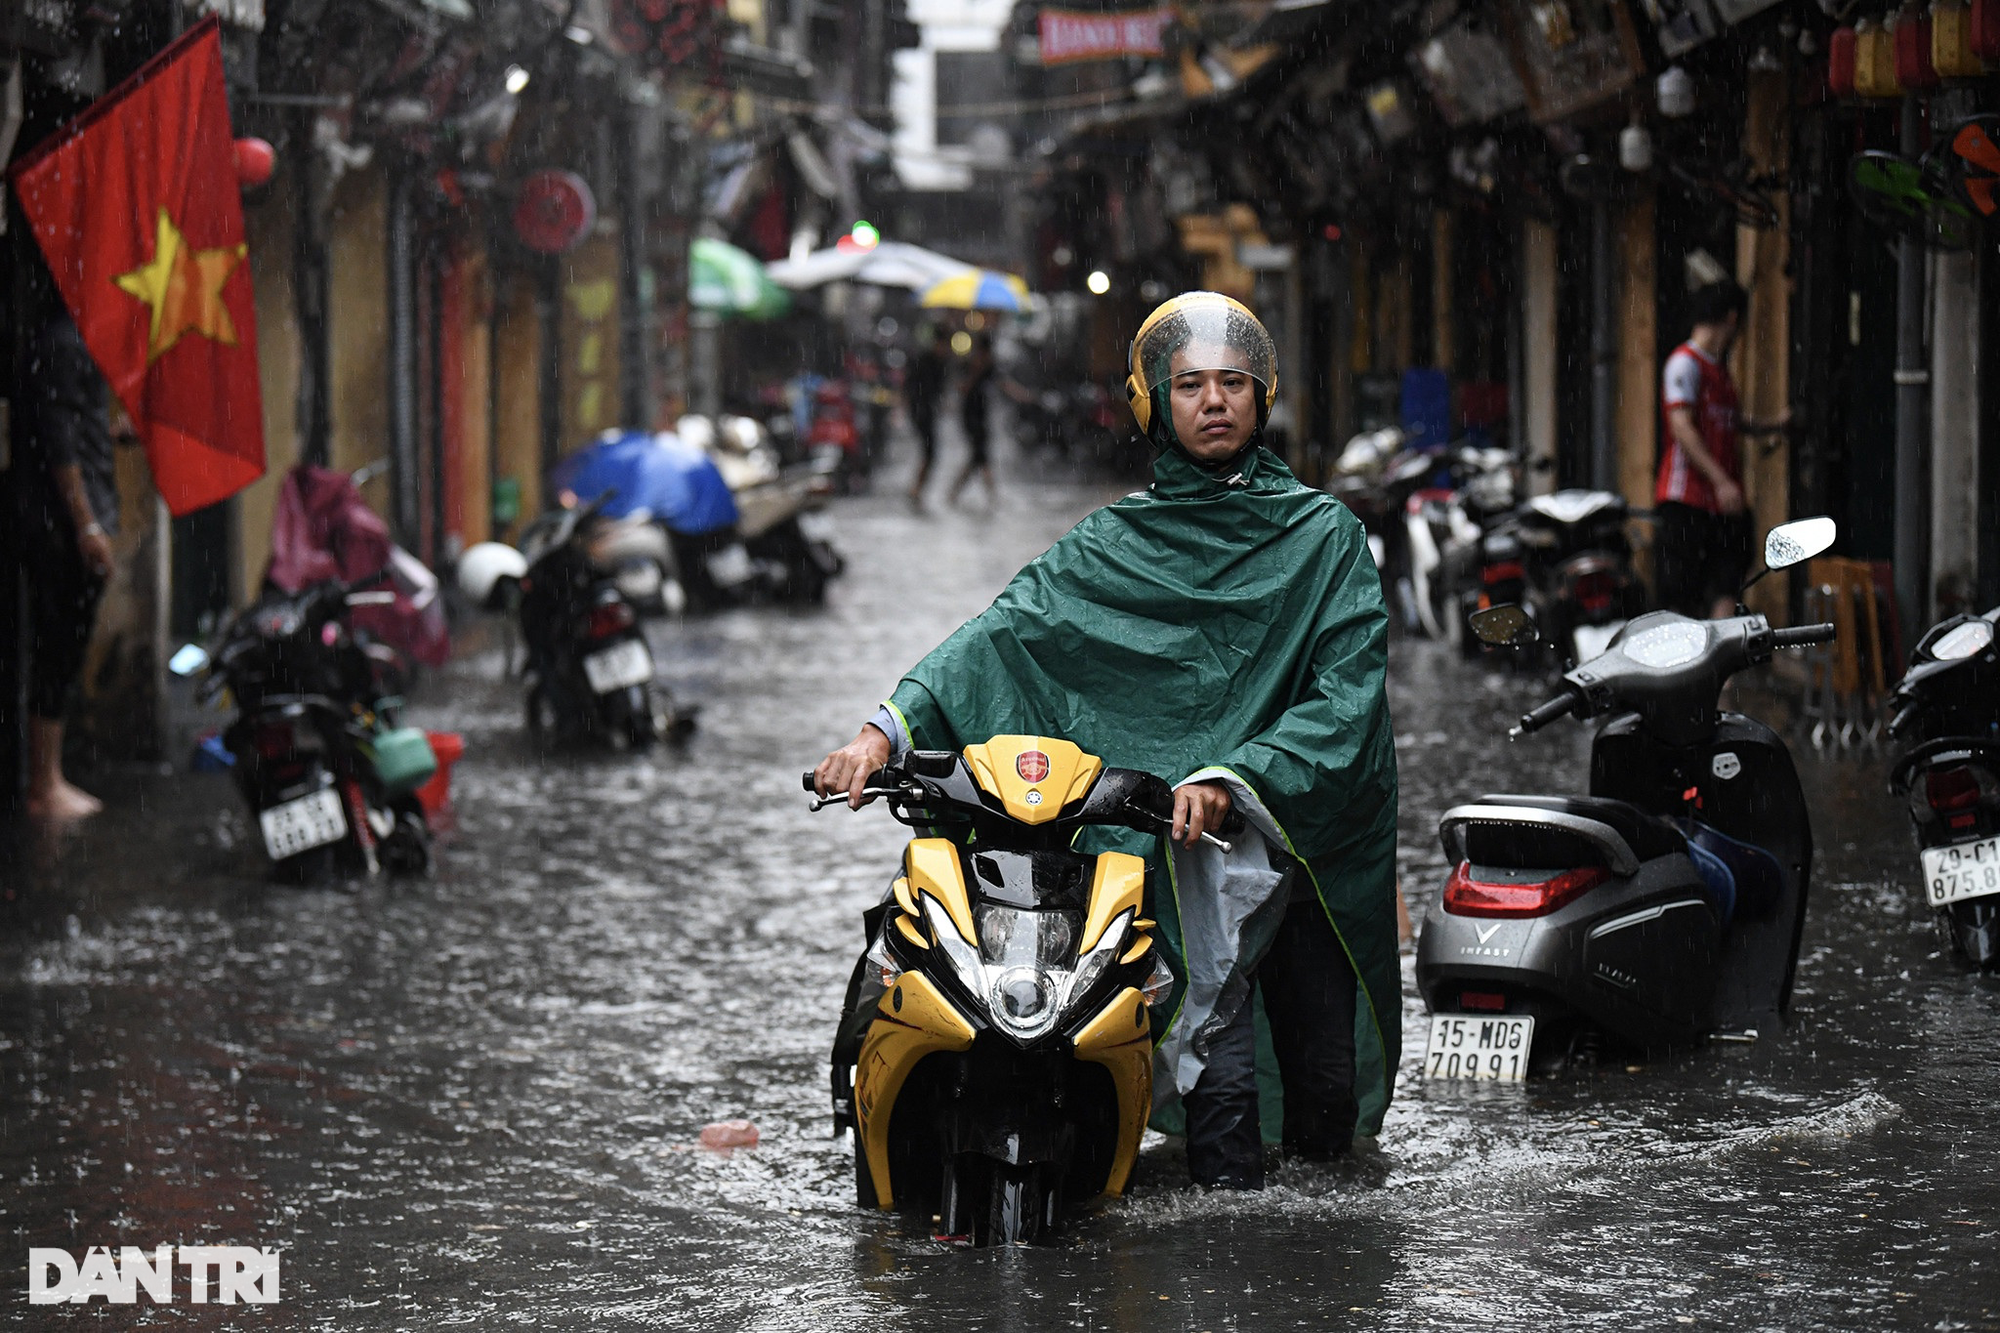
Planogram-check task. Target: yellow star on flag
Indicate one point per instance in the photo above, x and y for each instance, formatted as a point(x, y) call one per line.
point(183, 288)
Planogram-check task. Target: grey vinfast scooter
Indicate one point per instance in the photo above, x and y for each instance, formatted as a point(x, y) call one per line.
point(1664, 906)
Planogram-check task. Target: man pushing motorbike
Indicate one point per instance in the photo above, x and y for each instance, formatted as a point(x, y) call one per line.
point(1223, 629)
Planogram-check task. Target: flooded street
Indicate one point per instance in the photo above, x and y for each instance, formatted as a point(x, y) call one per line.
point(475, 1100)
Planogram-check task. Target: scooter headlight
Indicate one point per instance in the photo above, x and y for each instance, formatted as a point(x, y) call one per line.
point(1025, 970)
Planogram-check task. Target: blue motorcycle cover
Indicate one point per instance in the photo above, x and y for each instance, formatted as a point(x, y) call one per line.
point(675, 482)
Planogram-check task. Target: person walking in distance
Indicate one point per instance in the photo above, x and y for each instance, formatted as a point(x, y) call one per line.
point(1703, 543)
point(975, 399)
point(923, 389)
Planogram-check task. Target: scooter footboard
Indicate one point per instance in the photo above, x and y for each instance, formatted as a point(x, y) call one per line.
point(1524, 837)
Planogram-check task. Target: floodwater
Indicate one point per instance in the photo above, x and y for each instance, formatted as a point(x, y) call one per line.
point(475, 1100)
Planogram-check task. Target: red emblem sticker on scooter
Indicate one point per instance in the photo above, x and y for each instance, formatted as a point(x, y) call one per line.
point(1033, 766)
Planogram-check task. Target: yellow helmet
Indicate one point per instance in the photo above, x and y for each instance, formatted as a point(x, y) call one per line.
point(1215, 332)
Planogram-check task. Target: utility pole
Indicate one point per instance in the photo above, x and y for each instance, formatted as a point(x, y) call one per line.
point(1603, 353)
point(309, 292)
point(405, 515)
point(635, 378)
point(1913, 379)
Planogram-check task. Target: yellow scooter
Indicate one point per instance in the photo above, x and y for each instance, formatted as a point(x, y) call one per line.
point(1007, 1067)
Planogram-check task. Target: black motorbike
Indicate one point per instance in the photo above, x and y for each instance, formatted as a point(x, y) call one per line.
point(1947, 707)
point(315, 747)
point(1579, 569)
point(589, 670)
point(1664, 906)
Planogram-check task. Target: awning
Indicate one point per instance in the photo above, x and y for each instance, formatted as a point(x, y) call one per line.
point(732, 282)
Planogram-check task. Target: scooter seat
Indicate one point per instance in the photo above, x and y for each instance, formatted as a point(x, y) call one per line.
point(1647, 835)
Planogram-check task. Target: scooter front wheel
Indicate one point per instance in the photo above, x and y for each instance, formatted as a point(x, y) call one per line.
point(1020, 1206)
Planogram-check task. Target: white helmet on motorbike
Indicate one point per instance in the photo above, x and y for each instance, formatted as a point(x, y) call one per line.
point(742, 434)
point(484, 568)
point(696, 432)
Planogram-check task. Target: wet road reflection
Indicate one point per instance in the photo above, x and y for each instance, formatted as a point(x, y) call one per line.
point(475, 1100)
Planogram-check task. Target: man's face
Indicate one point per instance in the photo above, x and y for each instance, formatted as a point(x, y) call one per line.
point(1215, 411)
point(1732, 324)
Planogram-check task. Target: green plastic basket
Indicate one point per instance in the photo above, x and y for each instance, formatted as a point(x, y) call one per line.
point(403, 759)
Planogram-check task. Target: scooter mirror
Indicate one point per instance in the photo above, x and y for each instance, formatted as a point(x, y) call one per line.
point(189, 659)
point(1505, 626)
point(1794, 543)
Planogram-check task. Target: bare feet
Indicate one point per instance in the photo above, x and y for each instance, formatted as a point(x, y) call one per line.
point(63, 802)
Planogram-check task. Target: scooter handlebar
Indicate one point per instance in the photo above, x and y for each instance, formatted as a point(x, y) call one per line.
point(1802, 636)
point(1560, 706)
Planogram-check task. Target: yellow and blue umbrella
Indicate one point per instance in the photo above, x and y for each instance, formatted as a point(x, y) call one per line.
point(981, 289)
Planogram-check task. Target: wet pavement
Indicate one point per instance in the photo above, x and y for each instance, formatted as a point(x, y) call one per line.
point(475, 1100)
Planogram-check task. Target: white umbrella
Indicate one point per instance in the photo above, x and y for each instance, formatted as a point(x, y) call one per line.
point(890, 264)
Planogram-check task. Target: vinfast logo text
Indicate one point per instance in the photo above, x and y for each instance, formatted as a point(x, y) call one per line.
point(235, 1272)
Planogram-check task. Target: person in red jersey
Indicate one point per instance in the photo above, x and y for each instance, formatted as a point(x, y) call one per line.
point(1703, 548)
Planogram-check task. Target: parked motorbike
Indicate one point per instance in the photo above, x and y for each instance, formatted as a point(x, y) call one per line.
point(781, 510)
point(589, 672)
point(1444, 523)
point(1008, 1067)
point(1664, 906)
point(1947, 707)
point(1579, 569)
point(1359, 481)
point(830, 428)
point(316, 750)
point(1078, 423)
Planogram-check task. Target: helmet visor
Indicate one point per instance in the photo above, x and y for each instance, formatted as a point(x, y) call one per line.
point(1206, 336)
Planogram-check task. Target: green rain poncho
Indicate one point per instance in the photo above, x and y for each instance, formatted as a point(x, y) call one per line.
point(1219, 627)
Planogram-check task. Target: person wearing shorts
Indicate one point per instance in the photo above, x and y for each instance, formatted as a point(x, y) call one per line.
point(922, 391)
point(1702, 542)
point(974, 405)
point(66, 510)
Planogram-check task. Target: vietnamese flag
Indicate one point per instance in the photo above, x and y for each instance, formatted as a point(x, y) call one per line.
point(135, 205)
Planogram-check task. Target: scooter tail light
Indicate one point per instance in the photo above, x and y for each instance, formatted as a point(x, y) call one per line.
point(1596, 591)
point(610, 618)
point(1466, 896)
point(1949, 790)
point(275, 742)
point(1504, 571)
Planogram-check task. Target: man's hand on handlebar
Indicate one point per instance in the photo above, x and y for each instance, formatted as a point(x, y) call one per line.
point(1199, 807)
point(849, 768)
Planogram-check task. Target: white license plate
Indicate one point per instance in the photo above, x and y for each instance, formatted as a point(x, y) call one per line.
point(815, 527)
point(298, 826)
point(628, 663)
point(1478, 1046)
point(1962, 870)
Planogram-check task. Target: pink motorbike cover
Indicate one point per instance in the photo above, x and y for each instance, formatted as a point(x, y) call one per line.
point(322, 529)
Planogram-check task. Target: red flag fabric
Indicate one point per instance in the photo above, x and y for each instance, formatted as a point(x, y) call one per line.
point(136, 207)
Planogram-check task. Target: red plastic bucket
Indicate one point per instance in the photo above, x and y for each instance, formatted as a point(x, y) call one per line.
point(435, 795)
